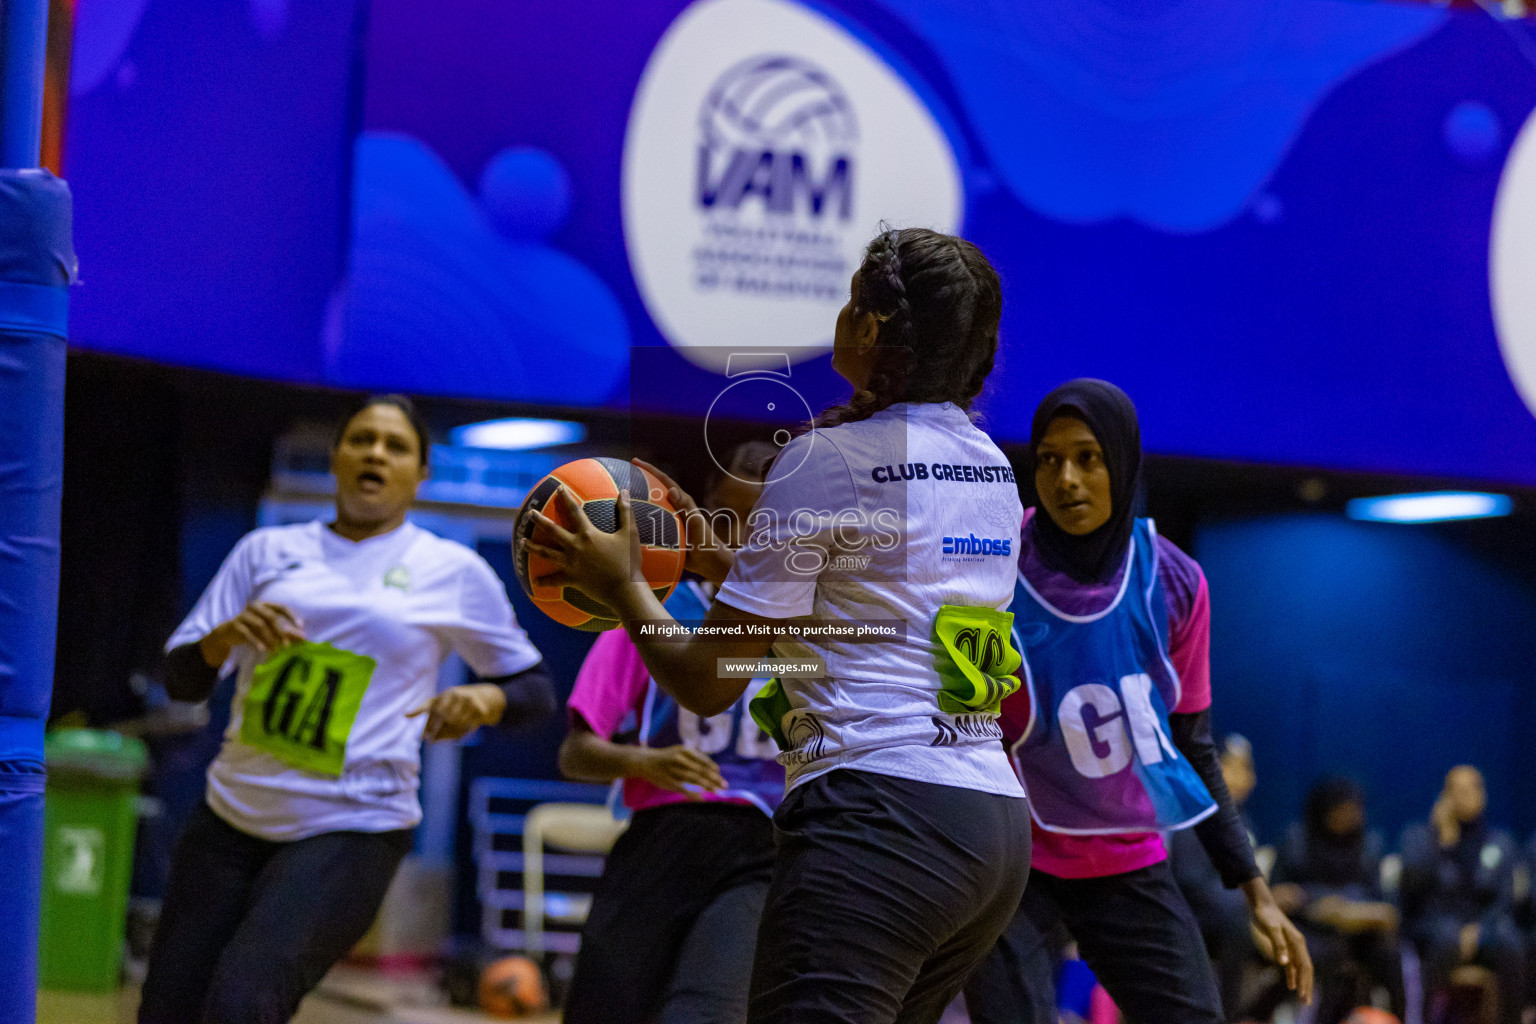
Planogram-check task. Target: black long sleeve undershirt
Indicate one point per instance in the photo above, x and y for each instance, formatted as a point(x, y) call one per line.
point(187, 676)
point(530, 697)
point(530, 694)
point(1222, 834)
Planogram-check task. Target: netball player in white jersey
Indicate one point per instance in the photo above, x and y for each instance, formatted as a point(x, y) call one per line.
point(903, 839)
point(337, 631)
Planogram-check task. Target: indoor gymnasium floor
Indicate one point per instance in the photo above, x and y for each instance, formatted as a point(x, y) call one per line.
point(349, 995)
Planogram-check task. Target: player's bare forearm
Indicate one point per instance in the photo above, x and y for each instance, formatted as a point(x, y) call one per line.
point(713, 563)
point(587, 757)
point(688, 669)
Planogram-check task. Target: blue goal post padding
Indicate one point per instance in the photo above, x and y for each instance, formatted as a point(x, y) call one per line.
point(37, 264)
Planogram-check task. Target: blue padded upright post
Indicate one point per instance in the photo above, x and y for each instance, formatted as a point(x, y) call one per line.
point(37, 262)
point(23, 57)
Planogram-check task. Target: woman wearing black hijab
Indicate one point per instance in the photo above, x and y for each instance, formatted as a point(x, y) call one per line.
point(1328, 873)
point(1112, 739)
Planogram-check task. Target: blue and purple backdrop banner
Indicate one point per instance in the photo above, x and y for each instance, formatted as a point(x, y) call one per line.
point(1296, 231)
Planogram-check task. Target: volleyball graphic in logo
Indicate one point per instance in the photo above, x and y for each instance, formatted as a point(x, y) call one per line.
point(776, 102)
point(766, 145)
point(777, 132)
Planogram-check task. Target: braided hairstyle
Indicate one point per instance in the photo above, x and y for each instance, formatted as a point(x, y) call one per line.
point(938, 301)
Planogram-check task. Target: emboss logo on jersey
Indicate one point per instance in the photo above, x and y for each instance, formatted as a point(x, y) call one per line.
point(981, 546)
point(398, 578)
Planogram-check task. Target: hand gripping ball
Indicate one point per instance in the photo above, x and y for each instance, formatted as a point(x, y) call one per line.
point(596, 484)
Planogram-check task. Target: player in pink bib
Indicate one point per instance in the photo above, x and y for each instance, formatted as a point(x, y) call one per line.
point(1111, 738)
point(673, 925)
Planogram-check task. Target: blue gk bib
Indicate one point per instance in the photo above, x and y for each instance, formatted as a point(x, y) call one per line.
point(1097, 758)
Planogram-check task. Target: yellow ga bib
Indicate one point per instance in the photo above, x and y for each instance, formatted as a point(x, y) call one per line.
point(302, 703)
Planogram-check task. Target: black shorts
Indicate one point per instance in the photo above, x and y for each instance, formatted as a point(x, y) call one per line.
point(674, 919)
point(886, 894)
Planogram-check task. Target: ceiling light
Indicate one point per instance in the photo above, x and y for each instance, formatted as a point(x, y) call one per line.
point(1430, 507)
point(518, 434)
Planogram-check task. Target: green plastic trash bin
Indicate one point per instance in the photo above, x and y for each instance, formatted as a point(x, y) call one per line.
point(91, 813)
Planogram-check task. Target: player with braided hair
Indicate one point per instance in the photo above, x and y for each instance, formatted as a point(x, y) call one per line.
point(952, 301)
point(903, 838)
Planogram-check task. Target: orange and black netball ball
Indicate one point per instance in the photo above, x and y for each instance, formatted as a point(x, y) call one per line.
point(596, 483)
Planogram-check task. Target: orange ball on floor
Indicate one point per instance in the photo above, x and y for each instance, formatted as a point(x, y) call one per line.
point(1370, 1015)
point(511, 987)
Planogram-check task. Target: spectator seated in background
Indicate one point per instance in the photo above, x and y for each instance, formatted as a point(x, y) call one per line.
point(1328, 878)
point(1525, 919)
point(1222, 913)
point(1458, 897)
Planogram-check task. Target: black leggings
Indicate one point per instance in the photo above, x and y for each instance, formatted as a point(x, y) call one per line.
point(249, 926)
point(1134, 930)
point(886, 895)
point(674, 919)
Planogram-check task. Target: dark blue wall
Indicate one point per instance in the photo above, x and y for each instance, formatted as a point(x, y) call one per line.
point(209, 159)
point(1386, 652)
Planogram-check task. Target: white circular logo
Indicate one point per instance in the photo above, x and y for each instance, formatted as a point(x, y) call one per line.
point(1512, 263)
point(765, 146)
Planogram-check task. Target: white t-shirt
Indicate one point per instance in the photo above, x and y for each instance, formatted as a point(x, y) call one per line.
point(881, 519)
point(403, 599)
